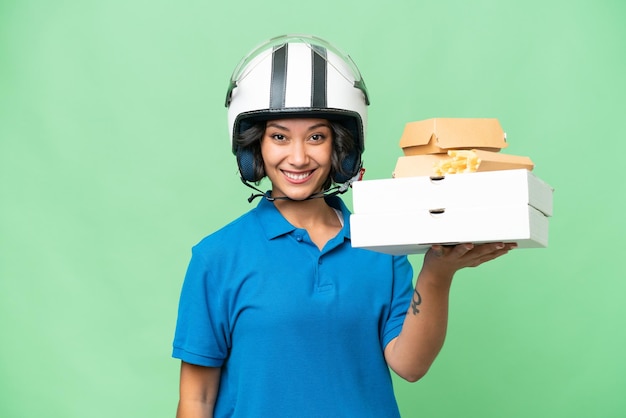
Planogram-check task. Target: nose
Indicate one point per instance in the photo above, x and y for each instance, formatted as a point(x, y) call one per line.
point(298, 154)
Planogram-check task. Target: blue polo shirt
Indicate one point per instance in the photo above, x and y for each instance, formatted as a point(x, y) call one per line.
point(298, 332)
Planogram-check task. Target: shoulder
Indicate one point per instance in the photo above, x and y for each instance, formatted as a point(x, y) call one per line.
point(217, 256)
point(229, 235)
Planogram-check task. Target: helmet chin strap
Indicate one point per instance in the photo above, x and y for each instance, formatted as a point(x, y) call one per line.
point(335, 190)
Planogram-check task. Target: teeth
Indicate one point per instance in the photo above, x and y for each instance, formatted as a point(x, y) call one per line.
point(300, 176)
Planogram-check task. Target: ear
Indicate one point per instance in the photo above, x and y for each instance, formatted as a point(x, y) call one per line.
point(350, 166)
point(245, 161)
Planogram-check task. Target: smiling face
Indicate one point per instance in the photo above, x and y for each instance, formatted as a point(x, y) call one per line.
point(297, 156)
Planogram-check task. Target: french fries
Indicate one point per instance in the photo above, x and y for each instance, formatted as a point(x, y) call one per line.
point(460, 161)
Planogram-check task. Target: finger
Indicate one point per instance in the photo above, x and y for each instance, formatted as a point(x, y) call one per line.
point(493, 254)
point(503, 247)
point(437, 250)
point(488, 248)
point(463, 249)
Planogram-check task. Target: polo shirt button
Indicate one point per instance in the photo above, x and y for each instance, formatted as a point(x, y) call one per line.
point(299, 238)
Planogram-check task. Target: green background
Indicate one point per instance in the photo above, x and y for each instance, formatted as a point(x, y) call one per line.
point(115, 159)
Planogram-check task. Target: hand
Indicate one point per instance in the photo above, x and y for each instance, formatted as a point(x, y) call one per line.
point(444, 260)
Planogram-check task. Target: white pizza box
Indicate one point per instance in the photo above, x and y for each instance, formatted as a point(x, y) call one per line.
point(414, 231)
point(467, 190)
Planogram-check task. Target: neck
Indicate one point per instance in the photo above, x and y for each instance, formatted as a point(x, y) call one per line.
point(306, 213)
point(314, 215)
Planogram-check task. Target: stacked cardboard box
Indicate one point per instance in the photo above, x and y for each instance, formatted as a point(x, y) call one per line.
point(500, 200)
point(428, 143)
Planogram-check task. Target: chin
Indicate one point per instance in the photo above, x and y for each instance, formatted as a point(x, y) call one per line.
point(298, 197)
point(299, 194)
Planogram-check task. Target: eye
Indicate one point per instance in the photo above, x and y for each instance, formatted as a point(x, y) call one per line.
point(318, 137)
point(277, 137)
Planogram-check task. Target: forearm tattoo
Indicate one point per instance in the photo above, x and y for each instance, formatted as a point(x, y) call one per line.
point(416, 301)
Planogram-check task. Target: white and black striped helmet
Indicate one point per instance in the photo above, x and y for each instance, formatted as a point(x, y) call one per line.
point(298, 76)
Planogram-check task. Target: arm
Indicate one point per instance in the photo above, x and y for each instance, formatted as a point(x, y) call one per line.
point(198, 391)
point(412, 352)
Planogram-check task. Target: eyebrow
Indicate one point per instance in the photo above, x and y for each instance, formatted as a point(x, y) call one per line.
point(310, 128)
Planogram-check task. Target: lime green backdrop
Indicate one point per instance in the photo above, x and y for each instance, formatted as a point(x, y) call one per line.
point(114, 160)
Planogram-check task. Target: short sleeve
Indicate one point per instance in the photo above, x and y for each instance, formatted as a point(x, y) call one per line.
point(201, 335)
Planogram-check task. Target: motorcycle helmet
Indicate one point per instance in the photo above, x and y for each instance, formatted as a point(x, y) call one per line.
point(297, 76)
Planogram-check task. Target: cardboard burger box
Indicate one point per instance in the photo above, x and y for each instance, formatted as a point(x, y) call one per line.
point(424, 165)
point(438, 135)
point(408, 215)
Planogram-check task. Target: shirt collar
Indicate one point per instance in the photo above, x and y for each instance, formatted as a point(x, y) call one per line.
point(274, 224)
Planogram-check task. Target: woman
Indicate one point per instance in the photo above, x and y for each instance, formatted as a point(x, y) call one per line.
point(279, 316)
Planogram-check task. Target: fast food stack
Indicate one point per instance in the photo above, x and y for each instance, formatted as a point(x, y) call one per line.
point(452, 185)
